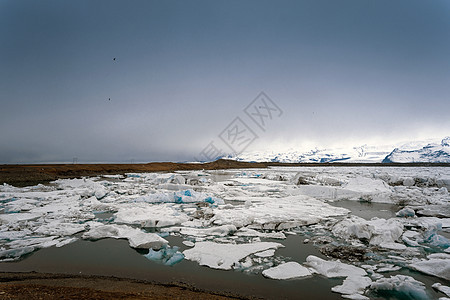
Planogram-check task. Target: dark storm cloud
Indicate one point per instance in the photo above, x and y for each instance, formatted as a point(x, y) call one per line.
point(340, 70)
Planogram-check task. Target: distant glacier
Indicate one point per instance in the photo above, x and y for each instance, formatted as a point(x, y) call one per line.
point(429, 151)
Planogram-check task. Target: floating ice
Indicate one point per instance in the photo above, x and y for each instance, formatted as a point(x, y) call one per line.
point(136, 237)
point(432, 238)
point(287, 270)
point(260, 205)
point(13, 254)
point(442, 288)
point(353, 284)
point(14, 218)
point(223, 230)
point(266, 253)
point(435, 267)
point(150, 216)
point(332, 269)
point(223, 256)
point(400, 286)
point(437, 210)
point(406, 212)
point(189, 243)
point(251, 232)
point(166, 255)
point(380, 232)
point(186, 196)
point(408, 181)
point(355, 297)
point(59, 228)
point(278, 213)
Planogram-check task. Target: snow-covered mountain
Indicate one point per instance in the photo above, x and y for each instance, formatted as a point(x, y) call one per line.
point(429, 153)
point(416, 151)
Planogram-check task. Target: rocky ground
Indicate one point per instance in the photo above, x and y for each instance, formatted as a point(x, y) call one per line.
point(52, 286)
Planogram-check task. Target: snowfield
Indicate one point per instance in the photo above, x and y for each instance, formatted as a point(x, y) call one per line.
point(237, 219)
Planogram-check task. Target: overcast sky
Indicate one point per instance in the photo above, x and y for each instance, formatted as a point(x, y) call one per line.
point(342, 72)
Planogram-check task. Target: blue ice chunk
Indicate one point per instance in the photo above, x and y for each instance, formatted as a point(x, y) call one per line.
point(176, 258)
point(209, 200)
point(434, 239)
point(12, 254)
point(438, 241)
point(166, 255)
point(178, 199)
point(188, 193)
point(134, 175)
point(11, 210)
point(163, 234)
point(8, 200)
point(154, 255)
point(406, 212)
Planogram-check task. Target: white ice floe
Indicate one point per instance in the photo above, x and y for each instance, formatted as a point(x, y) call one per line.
point(150, 216)
point(60, 228)
point(223, 230)
point(406, 212)
point(223, 256)
point(183, 196)
point(266, 253)
point(287, 270)
point(17, 217)
point(278, 213)
point(436, 267)
point(404, 286)
point(442, 288)
point(355, 297)
point(353, 284)
point(188, 243)
point(380, 232)
point(136, 237)
point(332, 269)
point(388, 268)
point(244, 231)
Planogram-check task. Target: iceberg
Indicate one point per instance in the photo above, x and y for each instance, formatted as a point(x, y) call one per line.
point(166, 255)
point(406, 212)
point(400, 286)
point(353, 285)
point(432, 238)
point(224, 256)
point(14, 254)
point(442, 288)
point(223, 230)
point(380, 232)
point(287, 270)
point(278, 213)
point(333, 269)
point(439, 267)
point(150, 215)
point(136, 237)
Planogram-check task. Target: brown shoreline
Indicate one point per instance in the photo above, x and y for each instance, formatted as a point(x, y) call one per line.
point(32, 285)
point(26, 175)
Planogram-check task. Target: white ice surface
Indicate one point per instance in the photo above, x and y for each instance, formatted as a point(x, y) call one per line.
point(407, 286)
point(287, 270)
point(223, 256)
point(353, 284)
point(333, 269)
point(136, 237)
point(436, 267)
point(442, 288)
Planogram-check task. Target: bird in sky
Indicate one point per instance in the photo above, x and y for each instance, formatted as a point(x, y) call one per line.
point(109, 99)
point(114, 58)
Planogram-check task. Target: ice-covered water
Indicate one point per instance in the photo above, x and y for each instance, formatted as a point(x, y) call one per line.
point(366, 224)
